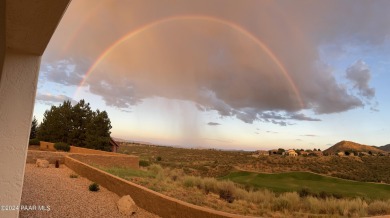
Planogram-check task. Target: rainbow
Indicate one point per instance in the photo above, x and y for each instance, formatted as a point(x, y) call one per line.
point(232, 25)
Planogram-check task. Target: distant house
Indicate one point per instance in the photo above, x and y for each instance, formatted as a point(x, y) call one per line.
point(363, 153)
point(262, 153)
point(114, 145)
point(304, 153)
point(291, 153)
point(318, 153)
point(341, 153)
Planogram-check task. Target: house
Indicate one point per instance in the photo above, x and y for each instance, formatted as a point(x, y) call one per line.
point(114, 145)
point(291, 153)
point(263, 153)
point(304, 153)
point(317, 153)
point(363, 153)
point(341, 153)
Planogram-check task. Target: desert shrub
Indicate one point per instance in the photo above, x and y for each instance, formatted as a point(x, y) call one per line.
point(155, 168)
point(34, 142)
point(144, 163)
point(175, 174)
point(61, 146)
point(73, 176)
point(192, 181)
point(304, 192)
point(339, 207)
point(227, 190)
point(379, 208)
point(286, 201)
point(280, 204)
point(210, 185)
point(94, 187)
point(261, 196)
point(159, 158)
point(337, 195)
point(324, 195)
point(352, 207)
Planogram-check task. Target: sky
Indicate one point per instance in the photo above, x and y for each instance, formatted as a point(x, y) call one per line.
point(226, 74)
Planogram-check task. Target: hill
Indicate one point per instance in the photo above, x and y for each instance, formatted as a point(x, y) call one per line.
point(351, 146)
point(385, 147)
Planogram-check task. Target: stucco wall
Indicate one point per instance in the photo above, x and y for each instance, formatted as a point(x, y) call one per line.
point(2, 35)
point(74, 149)
point(32, 156)
point(149, 200)
point(126, 161)
point(17, 94)
point(46, 146)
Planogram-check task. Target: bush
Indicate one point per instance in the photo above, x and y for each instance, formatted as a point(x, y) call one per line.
point(94, 187)
point(155, 168)
point(144, 163)
point(34, 142)
point(227, 190)
point(304, 192)
point(61, 146)
point(159, 158)
point(379, 208)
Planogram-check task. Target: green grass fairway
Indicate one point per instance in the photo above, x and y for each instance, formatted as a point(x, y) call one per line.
point(295, 181)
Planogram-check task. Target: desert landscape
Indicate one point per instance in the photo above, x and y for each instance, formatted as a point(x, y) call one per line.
point(197, 108)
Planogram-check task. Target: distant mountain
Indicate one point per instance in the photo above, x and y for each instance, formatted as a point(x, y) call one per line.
point(351, 146)
point(385, 147)
point(130, 141)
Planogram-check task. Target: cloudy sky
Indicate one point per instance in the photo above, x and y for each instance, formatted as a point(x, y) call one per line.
point(226, 74)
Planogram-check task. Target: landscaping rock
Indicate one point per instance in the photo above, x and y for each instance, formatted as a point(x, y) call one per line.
point(42, 163)
point(126, 205)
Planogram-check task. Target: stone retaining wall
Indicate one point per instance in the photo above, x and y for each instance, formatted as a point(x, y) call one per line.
point(149, 200)
point(126, 161)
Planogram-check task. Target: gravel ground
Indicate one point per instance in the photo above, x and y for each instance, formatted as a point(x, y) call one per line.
point(67, 197)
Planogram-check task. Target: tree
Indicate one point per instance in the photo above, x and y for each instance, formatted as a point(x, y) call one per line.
point(34, 128)
point(56, 124)
point(76, 125)
point(98, 131)
point(81, 117)
point(280, 151)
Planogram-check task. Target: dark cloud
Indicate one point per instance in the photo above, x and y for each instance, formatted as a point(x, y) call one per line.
point(52, 99)
point(300, 116)
point(65, 72)
point(359, 74)
point(214, 64)
point(213, 124)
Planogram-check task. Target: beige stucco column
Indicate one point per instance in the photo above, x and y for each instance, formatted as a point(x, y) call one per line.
point(25, 30)
point(17, 93)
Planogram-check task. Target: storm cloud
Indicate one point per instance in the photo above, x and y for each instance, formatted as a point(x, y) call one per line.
point(359, 74)
point(220, 63)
